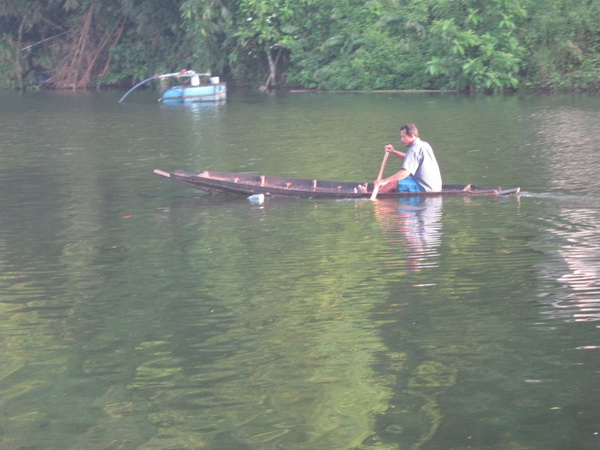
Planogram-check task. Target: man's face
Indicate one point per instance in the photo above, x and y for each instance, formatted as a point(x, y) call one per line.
point(406, 140)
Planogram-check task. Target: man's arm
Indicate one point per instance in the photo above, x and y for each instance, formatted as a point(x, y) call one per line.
point(389, 183)
point(390, 149)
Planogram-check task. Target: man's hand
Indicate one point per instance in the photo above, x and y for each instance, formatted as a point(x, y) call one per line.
point(390, 149)
point(379, 183)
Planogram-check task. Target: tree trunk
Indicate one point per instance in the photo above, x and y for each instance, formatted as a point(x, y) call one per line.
point(272, 78)
point(87, 50)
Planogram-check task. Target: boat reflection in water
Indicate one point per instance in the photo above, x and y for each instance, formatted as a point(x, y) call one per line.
point(412, 225)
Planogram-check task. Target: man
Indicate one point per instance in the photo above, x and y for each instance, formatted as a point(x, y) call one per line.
point(420, 171)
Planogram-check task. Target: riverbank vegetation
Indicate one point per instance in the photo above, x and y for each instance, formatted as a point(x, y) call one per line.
point(467, 45)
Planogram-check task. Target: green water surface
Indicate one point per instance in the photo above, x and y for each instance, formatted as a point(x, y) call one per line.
point(136, 313)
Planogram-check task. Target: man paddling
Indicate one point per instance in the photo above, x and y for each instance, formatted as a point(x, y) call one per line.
point(420, 171)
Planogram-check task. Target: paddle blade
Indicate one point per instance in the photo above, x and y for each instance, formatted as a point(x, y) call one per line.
point(375, 192)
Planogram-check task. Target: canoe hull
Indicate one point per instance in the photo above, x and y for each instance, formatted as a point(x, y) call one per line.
point(204, 93)
point(249, 184)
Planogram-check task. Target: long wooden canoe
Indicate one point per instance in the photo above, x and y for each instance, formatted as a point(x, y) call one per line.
point(249, 184)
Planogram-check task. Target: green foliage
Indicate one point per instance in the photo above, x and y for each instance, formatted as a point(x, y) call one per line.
point(154, 41)
point(9, 66)
point(373, 60)
point(356, 45)
point(207, 24)
point(469, 45)
point(479, 50)
point(564, 44)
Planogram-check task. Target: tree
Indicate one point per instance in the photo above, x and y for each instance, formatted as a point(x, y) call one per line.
point(26, 24)
point(266, 29)
point(478, 50)
point(353, 44)
point(470, 45)
point(564, 44)
point(86, 43)
point(208, 23)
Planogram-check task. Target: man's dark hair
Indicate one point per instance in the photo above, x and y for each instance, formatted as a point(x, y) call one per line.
point(410, 129)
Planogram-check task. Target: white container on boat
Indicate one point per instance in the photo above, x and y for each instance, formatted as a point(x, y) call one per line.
point(215, 80)
point(195, 80)
point(257, 199)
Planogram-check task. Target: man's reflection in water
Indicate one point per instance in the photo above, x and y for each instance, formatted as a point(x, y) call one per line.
point(412, 225)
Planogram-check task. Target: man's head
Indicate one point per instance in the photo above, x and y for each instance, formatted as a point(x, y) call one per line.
point(408, 133)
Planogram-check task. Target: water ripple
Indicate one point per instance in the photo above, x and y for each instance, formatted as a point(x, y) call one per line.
point(575, 269)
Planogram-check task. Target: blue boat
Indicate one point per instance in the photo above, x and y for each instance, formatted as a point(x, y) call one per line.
point(191, 87)
point(199, 87)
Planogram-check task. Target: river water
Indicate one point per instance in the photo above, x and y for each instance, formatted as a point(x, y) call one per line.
point(138, 313)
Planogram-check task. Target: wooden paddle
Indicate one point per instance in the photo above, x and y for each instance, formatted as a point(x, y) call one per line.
point(380, 176)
